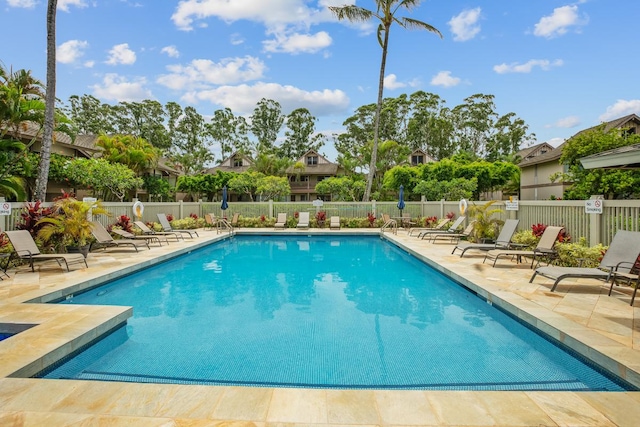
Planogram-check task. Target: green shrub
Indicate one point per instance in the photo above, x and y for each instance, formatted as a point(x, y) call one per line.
point(578, 254)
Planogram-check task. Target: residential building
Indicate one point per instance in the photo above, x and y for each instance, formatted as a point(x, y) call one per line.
point(537, 168)
point(310, 169)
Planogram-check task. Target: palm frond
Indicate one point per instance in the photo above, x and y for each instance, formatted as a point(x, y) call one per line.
point(414, 24)
point(351, 13)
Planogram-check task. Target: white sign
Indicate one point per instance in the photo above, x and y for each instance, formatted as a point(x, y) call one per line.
point(5, 208)
point(593, 206)
point(511, 206)
point(317, 203)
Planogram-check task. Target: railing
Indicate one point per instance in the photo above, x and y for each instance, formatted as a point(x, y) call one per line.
point(596, 228)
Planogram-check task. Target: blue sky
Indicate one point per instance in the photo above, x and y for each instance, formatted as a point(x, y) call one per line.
point(561, 66)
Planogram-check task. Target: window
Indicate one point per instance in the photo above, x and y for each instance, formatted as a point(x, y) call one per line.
point(312, 160)
point(237, 163)
point(417, 159)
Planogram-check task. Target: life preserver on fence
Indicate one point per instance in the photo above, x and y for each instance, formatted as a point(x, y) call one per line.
point(138, 209)
point(463, 206)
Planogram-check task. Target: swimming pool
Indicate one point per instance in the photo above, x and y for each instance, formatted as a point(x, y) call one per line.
point(317, 311)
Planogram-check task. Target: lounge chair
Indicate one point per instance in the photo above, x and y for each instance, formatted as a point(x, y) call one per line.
point(452, 229)
point(146, 230)
point(389, 223)
point(104, 239)
point(334, 223)
point(303, 220)
point(25, 248)
point(502, 241)
point(281, 221)
point(439, 226)
point(149, 238)
point(453, 237)
point(619, 259)
point(166, 226)
point(544, 248)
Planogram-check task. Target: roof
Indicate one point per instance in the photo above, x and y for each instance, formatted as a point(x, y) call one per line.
point(557, 152)
point(620, 158)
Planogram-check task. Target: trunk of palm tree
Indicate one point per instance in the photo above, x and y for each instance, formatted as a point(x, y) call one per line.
point(376, 131)
point(50, 104)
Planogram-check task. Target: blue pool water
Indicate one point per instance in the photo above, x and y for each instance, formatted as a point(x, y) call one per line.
point(317, 311)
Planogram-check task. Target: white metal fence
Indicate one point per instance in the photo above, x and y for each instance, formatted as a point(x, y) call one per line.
point(596, 228)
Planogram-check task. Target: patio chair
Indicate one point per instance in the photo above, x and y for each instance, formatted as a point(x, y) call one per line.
point(619, 259)
point(166, 226)
point(281, 220)
point(389, 223)
point(454, 237)
point(452, 229)
point(303, 220)
point(503, 240)
point(104, 239)
point(544, 248)
point(146, 230)
point(439, 226)
point(149, 238)
point(334, 223)
point(26, 249)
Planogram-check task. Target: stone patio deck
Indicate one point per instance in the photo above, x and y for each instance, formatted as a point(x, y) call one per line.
point(579, 313)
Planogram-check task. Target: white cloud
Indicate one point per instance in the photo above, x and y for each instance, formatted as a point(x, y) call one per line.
point(566, 122)
point(464, 26)
point(70, 51)
point(271, 13)
point(391, 82)
point(236, 39)
point(121, 54)
point(202, 73)
point(64, 4)
point(243, 98)
point(559, 22)
point(622, 107)
point(171, 51)
point(119, 89)
point(444, 78)
point(297, 43)
point(25, 4)
point(527, 67)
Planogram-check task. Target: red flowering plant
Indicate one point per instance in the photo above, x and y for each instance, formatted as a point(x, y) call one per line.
point(31, 214)
point(123, 222)
point(430, 221)
point(371, 218)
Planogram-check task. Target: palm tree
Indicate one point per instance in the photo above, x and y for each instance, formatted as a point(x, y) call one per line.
point(50, 103)
point(385, 13)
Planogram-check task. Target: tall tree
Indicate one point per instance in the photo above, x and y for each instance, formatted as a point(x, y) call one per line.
point(385, 13)
point(299, 136)
point(50, 104)
point(266, 122)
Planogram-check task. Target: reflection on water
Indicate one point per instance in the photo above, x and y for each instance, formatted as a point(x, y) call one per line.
point(354, 312)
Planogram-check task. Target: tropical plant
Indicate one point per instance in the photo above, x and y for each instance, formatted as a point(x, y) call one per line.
point(70, 224)
point(486, 224)
point(385, 13)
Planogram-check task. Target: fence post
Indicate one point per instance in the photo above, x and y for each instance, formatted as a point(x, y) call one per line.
point(595, 229)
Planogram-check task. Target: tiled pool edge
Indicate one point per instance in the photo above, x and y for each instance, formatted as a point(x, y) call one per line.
point(524, 310)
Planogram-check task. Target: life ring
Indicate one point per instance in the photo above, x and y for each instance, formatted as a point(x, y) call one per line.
point(463, 206)
point(138, 209)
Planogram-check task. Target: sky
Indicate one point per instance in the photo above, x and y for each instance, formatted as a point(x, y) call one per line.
point(560, 66)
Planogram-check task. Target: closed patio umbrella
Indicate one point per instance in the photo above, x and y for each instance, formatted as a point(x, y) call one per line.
point(401, 201)
point(224, 205)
